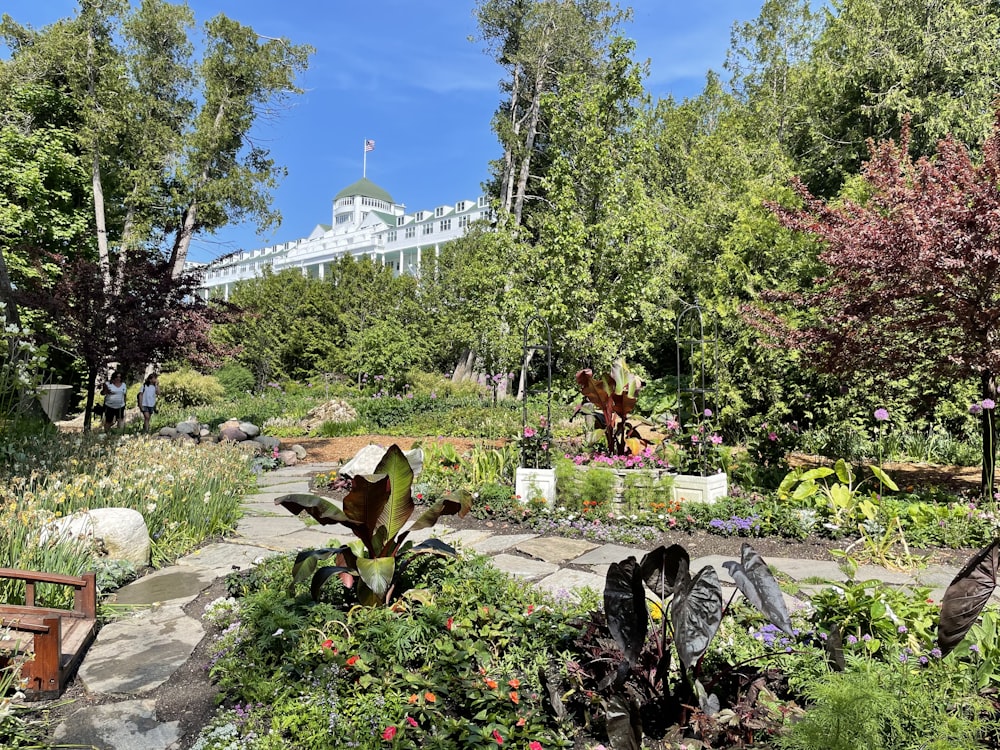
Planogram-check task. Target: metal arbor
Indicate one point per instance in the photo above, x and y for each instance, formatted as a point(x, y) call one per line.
point(697, 360)
point(526, 352)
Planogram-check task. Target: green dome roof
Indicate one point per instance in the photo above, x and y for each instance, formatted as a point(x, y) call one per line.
point(365, 188)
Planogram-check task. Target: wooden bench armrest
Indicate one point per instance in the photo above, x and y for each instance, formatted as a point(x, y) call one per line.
point(23, 625)
point(84, 596)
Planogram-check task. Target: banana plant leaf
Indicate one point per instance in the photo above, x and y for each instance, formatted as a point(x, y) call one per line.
point(307, 560)
point(665, 568)
point(326, 573)
point(755, 582)
point(455, 504)
point(625, 607)
point(966, 596)
point(377, 573)
point(320, 509)
point(696, 612)
point(399, 504)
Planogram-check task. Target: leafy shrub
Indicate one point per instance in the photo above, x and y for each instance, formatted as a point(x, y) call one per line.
point(340, 429)
point(188, 388)
point(235, 379)
point(430, 383)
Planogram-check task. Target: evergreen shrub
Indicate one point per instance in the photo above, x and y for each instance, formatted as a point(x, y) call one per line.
point(188, 388)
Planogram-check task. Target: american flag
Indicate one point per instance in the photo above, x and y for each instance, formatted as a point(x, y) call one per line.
point(369, 145)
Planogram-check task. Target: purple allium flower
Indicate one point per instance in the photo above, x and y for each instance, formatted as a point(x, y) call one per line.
point(975, 409)
point(936, 652)
point(923, 660)
point(852, 639)
point(903, 658)
point(881, 415)
point(901, 629)
point(988, 404)
point(974, 648)
point(866, 637)
point(708, 412)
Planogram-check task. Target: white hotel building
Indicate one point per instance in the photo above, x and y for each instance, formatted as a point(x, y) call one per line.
point(366, 221)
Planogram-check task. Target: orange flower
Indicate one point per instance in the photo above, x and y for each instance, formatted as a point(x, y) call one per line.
point(513, 697)
point(352, 660)
point(515, 683)
point(491, 684)
point(430, 697)
point(412, 699)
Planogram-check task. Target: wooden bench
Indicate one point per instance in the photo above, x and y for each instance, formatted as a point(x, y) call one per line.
point(54, 639)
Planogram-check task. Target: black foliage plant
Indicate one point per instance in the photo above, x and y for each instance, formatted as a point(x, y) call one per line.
point(638, 692)
point(966, 596)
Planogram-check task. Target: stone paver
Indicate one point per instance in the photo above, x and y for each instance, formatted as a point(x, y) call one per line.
point(716, 562)
point(524, 567)
point(127, 725)
point(136, 655)
point(557, 550)
point(266, 530)
point(566, 580)
point(937, 576)
point(499, 543)
point(606, 554)
point(174, 584)
point(222, 558)
point(464, 537)
point(869, 572)
point(800, 570)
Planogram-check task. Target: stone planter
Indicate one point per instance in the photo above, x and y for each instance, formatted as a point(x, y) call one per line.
point(627, 490)
point(535, 483)
point(690, 487)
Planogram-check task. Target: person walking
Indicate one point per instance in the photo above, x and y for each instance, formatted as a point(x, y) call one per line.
point(146, 398)
point(114, 401)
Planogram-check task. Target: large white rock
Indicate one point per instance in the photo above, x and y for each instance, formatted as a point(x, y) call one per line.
point(366, 460)
point(119, 533)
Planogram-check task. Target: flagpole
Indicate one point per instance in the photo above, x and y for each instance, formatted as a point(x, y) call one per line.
point(364, 158)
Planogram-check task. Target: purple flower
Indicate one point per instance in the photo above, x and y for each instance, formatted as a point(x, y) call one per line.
point(901, 629)
point(974, 648)
point(772, 436)
point(988, 404)
point(975, 409)
point(903, 657)
point(936, 653)
point(852, 639)
point(716, 439)
point(881, 415)
point(866, 637)
point(708, 412)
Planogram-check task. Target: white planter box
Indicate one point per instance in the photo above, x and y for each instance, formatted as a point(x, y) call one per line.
point(532, 483)
point(689, 487)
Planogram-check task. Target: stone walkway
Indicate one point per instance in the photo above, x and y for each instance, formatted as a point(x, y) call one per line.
point(135, 655)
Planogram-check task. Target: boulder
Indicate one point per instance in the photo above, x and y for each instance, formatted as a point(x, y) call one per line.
point(288, 458)
point(232, 433)
point(299, 451)
point(118, 533)
point(188, 428)
point(334, 410)
point(268, 441)
point(167, 432)
point(252, 447)
point(366, 460)
point(250, 429)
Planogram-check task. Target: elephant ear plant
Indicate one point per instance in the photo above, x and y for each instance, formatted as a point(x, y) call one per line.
point(967, 595)
point(375, 510)
point(638, 696)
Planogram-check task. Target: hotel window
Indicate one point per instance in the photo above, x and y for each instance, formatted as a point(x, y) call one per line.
point(390, 236)
point(343, 218)
point(439, 212)
point(428, 228)
point(463, 222)
point(445, 225)
point(399, 220)
point(411, 232)
point(460, 206)
point(482, 201)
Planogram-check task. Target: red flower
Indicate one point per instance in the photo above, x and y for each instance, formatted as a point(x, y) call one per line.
point(450, 623)
point(531, 608)
point(327, 643)
point(389, 733)
point(534, 745)
point(351, 661)
point(497, 737)
point(411, 721)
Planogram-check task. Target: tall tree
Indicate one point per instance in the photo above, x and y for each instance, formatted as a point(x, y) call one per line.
point(536, 41)
point(913, 271)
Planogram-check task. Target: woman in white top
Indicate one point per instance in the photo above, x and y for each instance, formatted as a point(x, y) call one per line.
point(147, 399)
point(114, 402)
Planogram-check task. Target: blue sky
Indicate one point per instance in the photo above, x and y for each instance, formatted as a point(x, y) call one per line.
point(405, 74)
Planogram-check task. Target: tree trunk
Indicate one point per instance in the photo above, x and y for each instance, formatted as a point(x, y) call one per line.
point(88, 412)
point(534, 116)
point(95, 176)
point(989, 387)
point(7, 294)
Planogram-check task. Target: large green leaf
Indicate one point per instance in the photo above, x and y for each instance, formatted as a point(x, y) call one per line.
point(884, 478)
point(966, 596)
point(696, 614)
point(307, 560)
point(364, 504)
point(319, 508)
point(399, 508)
point(377, 573)
point(456, 503)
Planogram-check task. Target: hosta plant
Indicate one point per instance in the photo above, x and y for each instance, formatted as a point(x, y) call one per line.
point(376, 510)
point(637, 690)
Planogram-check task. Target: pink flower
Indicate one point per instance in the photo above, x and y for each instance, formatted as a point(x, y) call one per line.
point(673, 424)
point(389, 733)
point(881, 415)
point(497, 737)
point(535, 745)
point(716, 439)
point(708, 412)
point(528, 432)
point(772, 437)
point(988, 404)
point(411, 721)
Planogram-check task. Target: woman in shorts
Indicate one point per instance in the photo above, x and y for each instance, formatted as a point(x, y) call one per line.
point(114, 401)
point(147, 399)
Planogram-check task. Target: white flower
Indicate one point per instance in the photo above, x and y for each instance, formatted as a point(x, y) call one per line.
point(151, 507)
point(278, 632)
